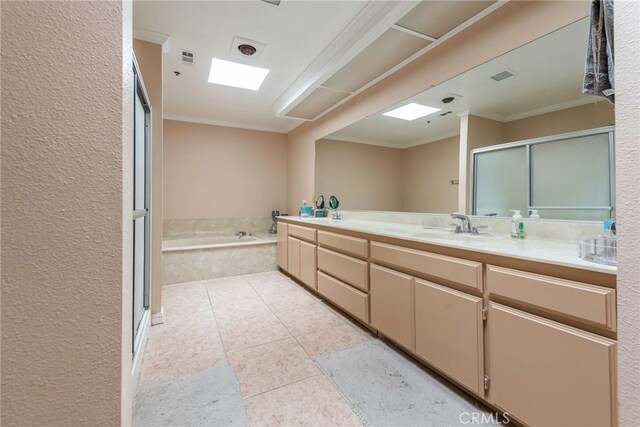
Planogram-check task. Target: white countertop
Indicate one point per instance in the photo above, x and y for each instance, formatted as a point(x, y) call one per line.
point(549, 251)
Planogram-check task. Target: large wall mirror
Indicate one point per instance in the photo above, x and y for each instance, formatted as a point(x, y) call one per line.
point(513, 133)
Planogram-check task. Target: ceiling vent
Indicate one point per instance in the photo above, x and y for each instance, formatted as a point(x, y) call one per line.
point(503, 75)
point(273, 2)
point(246, 48)
point(186, 57)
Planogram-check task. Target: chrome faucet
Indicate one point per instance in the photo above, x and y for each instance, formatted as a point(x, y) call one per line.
point(466, 223)
point(241, 234)
point(335, 214)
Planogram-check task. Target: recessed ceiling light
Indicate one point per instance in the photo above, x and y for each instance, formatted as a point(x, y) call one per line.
point(229, 73)
point(411, 111)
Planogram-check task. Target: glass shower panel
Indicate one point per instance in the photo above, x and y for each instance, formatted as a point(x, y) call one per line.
point(139, 271)
point(501, 181)
point(139, 156)
point(572, 173)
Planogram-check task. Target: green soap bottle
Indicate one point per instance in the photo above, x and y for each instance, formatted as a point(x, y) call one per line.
point(521, 230)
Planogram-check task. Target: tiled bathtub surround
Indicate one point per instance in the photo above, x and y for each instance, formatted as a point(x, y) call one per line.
point(545, 229)
point(215, 262)
point(197, 226)
point(201, 249)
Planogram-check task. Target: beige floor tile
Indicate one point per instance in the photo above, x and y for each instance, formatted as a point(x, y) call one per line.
point(175, 352)
point(261, 329)
point(311, 402)
point(271, 365)
point(332, 339)
point(230, 309)
point(304, 318)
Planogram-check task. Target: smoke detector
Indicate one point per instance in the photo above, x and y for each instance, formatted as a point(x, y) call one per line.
point(186, 57)
point(246, 48)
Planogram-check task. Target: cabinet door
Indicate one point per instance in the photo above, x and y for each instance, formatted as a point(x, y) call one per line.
point(449, 333)
point(282, 245)
point(293, 256)
point(549, 374)
point(391, 295)
point(308, 266)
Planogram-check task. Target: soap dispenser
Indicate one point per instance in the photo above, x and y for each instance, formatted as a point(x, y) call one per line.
point(534, 214)
point(516, 220)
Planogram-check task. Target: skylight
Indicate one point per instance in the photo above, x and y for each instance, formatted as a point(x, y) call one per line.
point(411, 111)
point(229, 73)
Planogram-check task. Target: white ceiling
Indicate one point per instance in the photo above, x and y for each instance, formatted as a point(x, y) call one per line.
point(548, 75)
point(295, 33)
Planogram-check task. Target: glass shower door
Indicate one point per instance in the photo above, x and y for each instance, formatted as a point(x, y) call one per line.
point(141, 203)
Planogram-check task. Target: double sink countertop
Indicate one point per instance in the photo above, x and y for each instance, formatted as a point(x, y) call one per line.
point(564, 253)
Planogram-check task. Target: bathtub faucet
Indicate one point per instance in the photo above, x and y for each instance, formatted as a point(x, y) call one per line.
point(240, 234)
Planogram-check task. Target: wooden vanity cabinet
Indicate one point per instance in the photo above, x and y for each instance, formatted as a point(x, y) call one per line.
point(293, 256)
point(308, 264)
point(545, 373)
point(391, 297)
point(449, 333)
point(300, 254)
point(536, 346)
point(282, 246)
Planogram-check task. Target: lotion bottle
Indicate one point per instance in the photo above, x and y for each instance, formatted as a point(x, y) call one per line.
point(516, 220)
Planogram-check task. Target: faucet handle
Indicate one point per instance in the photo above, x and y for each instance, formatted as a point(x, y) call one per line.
point(457, 229)
point(474, 230)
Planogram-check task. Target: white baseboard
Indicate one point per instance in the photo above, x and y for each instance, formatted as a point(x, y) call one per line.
point(157, 318)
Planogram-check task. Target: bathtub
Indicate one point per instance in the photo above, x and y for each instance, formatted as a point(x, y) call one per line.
point(209, 240)
point(204, 256)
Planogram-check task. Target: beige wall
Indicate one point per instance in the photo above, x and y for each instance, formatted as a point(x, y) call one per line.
point(361, 176)
point(66, 213)
point(627, 18)
point(587, 116)
point(220, 172)
point(149, 57)
point(427, 170)
point(511, 26)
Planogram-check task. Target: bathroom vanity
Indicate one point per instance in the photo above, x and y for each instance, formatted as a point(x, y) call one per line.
point(525, 326)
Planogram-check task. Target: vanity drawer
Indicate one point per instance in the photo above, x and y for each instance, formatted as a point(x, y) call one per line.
point(590, 303)
point(304, 233)
point(467, 273)
point(348, 269)
point(349, 299)
point(346, 244)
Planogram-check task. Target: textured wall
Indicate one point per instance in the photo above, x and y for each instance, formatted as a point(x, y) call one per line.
point(221, 172)
point(149, 57)
point(627, 19)
point(64, 276)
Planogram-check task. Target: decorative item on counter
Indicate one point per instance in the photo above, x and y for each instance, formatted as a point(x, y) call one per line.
point(320, 212)
point(274, 226)
point(600, 249)
point(516, 222)
point(305, 210)
point(333, 202)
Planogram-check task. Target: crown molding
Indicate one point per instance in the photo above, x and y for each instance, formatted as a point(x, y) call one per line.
point(552, 108)
point(484, 114)
point(374, 19)
point(224, 123)
point(153, 37)
point(432, 139)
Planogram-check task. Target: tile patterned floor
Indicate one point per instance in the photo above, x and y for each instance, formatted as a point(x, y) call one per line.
point(257, 350)
point(262, 328)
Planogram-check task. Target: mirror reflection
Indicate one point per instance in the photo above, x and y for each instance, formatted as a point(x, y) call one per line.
point(513, 133)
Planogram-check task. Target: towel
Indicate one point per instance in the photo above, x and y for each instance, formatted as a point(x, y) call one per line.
point(599, 68)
